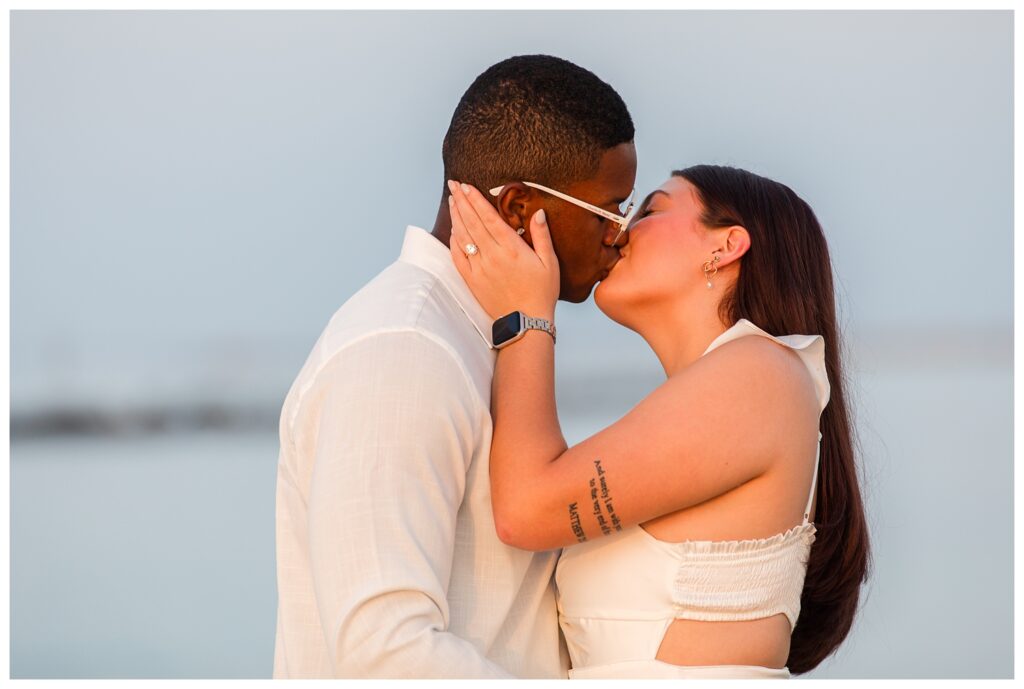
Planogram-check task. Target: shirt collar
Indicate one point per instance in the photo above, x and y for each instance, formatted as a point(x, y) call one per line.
point(423, 250)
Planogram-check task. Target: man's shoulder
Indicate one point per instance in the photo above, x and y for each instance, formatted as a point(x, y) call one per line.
point(403, 311)
point(402, 298)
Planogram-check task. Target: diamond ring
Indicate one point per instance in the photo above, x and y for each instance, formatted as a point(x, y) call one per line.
point(471, 249)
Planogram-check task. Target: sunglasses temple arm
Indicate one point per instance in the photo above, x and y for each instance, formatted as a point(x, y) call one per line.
point(614, 217)
point(565, 197)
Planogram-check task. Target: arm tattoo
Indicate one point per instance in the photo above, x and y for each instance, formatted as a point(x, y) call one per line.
point(606, 497)
point(574, 522)
point(601, 498)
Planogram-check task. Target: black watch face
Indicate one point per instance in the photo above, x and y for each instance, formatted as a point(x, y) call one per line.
point(505, 328)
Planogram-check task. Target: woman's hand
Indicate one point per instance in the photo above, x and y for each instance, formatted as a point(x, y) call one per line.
point(504, 273)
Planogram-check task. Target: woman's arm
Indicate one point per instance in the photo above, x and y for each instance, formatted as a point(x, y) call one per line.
point(527, 437)
point(708, 429)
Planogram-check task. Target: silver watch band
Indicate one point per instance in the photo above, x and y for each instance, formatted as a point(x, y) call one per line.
point(530, 323)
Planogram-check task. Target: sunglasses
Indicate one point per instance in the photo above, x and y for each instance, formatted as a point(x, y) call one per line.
point(621, 220)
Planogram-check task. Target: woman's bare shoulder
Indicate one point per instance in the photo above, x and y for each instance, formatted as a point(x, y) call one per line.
point(753, 360)
point(763, 388)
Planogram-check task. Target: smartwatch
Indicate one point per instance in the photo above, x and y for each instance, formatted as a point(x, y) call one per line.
point(513, 327)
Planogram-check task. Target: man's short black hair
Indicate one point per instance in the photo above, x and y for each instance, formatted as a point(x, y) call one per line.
point(534, 118)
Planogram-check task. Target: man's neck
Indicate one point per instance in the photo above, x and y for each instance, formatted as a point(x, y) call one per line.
point(443, 223)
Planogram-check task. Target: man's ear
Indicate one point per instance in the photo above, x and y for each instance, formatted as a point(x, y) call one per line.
point(515, 204)
point(735, 244)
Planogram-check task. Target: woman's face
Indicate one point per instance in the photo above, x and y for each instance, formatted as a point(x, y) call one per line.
point(664, 258)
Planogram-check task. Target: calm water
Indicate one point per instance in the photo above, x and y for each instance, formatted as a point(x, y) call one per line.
point(154, 556)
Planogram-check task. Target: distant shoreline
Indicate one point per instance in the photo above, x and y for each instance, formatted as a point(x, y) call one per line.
point(581, 391)
point(143, 421)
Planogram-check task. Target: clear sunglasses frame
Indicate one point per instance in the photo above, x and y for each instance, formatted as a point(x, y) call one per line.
point(621, 220)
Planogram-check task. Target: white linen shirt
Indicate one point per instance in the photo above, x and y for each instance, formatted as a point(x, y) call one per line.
point(388, 563)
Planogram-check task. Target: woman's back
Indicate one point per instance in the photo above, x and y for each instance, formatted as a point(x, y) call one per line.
point(717, 584)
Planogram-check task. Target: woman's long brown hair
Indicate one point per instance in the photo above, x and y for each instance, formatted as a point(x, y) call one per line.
point(785, 287)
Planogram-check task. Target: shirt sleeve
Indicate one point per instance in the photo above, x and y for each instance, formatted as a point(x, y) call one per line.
point(397, 422)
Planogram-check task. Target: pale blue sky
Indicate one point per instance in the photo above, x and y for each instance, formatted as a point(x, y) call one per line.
point(195, 193)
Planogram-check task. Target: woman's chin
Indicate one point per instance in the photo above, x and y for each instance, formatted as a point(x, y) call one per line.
point(604, 297)
point(613, 301)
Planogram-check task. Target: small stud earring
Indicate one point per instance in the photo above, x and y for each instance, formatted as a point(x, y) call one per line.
point(520, 231)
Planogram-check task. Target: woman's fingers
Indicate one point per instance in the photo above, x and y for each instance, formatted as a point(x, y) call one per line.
point(470, 218)
point(541, 235)
point(460, 259)
point(506, 273)
point(490, 218)
point(460, 238)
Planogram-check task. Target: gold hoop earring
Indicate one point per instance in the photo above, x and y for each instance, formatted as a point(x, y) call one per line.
point(707, 268)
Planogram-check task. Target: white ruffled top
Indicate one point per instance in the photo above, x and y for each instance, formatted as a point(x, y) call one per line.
point(618, 594)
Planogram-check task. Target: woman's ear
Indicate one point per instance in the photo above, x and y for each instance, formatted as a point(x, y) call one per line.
point(733, 244)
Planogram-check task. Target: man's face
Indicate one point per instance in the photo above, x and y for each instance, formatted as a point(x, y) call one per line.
point(582, 239)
